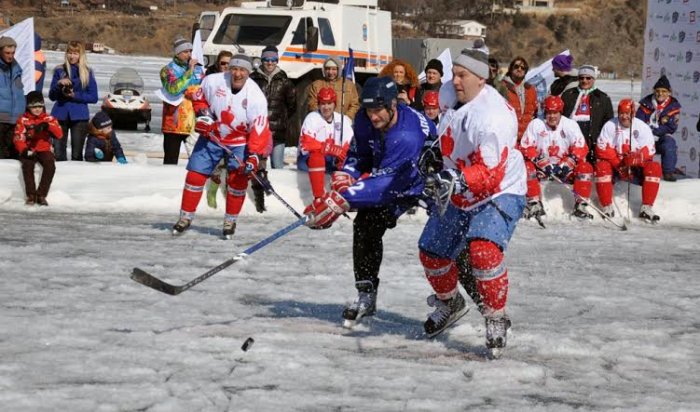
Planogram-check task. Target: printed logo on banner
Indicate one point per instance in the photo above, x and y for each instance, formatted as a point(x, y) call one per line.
point(693, 153)
point(674, 17)
point(696, 76)
point(662, 72)
point(656, 54)
point(691, 17)
point(651, 34)
point(697, 37)
point(684, 134)
point(681, 36)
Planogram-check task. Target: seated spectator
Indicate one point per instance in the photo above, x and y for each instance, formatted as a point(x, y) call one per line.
point(433, 82)
point(405, 78)
point(102, 143)
point(32, 139)
point(431, 106)
point(567, 76)
point(521, 95)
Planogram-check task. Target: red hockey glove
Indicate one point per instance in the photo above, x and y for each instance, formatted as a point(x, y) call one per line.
point(204, 126)
point(341, 181)
point(323, 211)
point(545, 168)
point(566, 168)
point(333, 149)
point(251, 164)
point(632, 160)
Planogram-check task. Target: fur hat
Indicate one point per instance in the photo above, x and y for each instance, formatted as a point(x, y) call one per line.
point(562, 62)
point(476, 59)
point(242, 61)
point(35, 99)
point(662, 83)
point(434, 64)
point(181, 44)
point(331, 62)
point(6, 41)
point(101, 120)
point(270, 52)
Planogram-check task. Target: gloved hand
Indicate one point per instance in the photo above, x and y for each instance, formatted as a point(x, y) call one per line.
point(28, 154)
point(251, 164)
point(545, 167)
point(333, 149)
point(324, 210)
point(440, 186)
point(566, 168)
point(41, 127)
point(341, 181)
point(430, 160)
point(204, 125)
point(122, 160)
point(99, 154)
point(632, 160)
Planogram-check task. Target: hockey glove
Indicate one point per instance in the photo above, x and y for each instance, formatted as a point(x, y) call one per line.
point(545, 168)
point(251, 164)
point(441, 186)
point(122, 160)
point(333, 149)
point(430, 160)
point(204, 126)
point(632, 160)
point(566, 168)
point(323, 211)
point(341, 181)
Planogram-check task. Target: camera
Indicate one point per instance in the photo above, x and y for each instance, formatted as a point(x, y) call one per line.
point(66, 89)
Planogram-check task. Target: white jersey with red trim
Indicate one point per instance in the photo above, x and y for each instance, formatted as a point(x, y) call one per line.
point(317, 133)
point(541, 141)
point(479, 139)
point(613, 135)
point(241, 118)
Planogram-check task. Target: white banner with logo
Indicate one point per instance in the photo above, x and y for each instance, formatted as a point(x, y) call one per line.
point(23, 34)
point(672, 47)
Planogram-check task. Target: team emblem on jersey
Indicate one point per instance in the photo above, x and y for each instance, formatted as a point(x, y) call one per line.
point(244, 103)
point(635, 134)
point(220, 92)
point(337, 126)
point(543, 133)
point(447, 143)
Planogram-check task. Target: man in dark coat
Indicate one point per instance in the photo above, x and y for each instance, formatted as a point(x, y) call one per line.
point(588, 106)
point(565, 74)
point(433, 82)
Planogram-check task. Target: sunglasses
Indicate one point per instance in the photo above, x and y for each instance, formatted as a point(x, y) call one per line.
point(223, 63)
point(519, 66)
point(270, 60)
point(585, 78)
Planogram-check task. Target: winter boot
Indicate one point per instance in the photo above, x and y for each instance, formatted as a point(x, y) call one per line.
point(181, 225)
point(497, 327)
point(647, 214)
point(445, 314)
point(259, 198)
point(670, 177)
point(31, 200)
point(609, 211)
point(581, 212)
point(41, 200)
point(364, 305)
point(229, 229)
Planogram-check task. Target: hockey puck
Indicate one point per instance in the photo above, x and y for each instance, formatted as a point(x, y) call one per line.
point(247, 344)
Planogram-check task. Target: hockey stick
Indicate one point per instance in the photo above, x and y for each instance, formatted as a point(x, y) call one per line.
point(602, 214)
point(153, 282)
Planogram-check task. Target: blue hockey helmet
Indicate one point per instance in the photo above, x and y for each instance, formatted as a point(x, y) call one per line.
point(378, 92)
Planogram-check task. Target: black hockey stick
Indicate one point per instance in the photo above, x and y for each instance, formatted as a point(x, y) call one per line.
point(153, 282)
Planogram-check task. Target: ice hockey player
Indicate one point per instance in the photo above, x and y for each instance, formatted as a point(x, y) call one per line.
point(625, 151)
point(431, 105)
point(324, 141)
point(380, 179)
point(558, 148)
point(232, 124)
point(483, 183)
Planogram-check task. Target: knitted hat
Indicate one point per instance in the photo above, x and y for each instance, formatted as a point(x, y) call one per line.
point(34, 99)
point(662, 83)
point(270, 52)
point(242, 61)
point(587, 70)
point(6, 41)
point(331, 62)
point(181, 44)
point(434, 64)
point(101, 120)
point(476, 59)
point(562, 62)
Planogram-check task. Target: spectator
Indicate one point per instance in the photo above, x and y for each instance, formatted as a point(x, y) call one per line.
point(179, 75)
point(521, 95)
point(565, 74)
point(73, 87)
point(405, 78)
point(32, 139)
point(662, 112)
point(102, 143)
point(39, 64)
point(589, 107)
point(495, 79)
point(221, 64)
point(433, 82)
point(431, 106)
point(331, 72)
point(12, 100)
point(281, 101)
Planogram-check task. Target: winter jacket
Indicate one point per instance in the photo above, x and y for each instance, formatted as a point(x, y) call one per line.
point(39, 64)
point(664, 123)
point(281, 101)
point(418, 103)
point(563, 84)
point(525, 112)
point(27, 137)
point(12, 101)
point(177, 78)
point(110, 147)
point(601, 112)
point(351, 100)
point(72, 108)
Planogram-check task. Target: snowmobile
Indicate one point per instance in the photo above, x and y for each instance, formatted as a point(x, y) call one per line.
point(125, 103)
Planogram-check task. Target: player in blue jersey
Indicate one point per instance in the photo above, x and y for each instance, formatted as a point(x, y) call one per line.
point(380, 179)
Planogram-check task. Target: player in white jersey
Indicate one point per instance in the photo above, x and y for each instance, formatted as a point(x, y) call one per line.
point(484, 178)
point(558, 148)
point(324, 141)
point(232, 125)
point(618, 159)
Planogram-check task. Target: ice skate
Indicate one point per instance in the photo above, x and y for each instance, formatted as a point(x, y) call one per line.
point(229, 229)
point(609, 210)
point(581, 212)
point(446, 313)
point(364, 305)
point(181, 225)
point(535, 210)
point(648, 215)
point(496, 334)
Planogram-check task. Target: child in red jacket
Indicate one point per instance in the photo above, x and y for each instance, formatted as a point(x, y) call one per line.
point(32, 139)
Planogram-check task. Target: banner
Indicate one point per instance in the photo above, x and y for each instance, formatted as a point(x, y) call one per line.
point(672, 47)
point(23, 34)
point(542, 78)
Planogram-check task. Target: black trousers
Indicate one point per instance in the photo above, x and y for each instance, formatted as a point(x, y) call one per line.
point(171, 147)
point(369, 227)
point(78, 133)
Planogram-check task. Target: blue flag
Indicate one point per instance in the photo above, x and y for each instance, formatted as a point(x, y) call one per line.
point(349, 68)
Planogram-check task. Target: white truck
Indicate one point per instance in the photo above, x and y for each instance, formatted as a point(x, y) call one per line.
point(306, 33)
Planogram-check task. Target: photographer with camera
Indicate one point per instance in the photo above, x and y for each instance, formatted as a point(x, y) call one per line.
point(73, 87)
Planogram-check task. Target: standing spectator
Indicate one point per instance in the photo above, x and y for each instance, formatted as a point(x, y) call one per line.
point(73, 87)
point(12, 100)
point(221, 64)
point(521, 95)
point(589, 107)
point(33, 141)
point(433, 82)
point(281, 101)
point(662, 112)
point(102, 143)
point(177, 77)
point(405, 78)
point(566, 75)
point(331, 78)
point(495, 80)
point(39, 64)
point(625, 151)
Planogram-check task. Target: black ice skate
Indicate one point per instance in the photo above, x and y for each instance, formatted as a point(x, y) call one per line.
point(229, 229)
point(534, 210)
point(364, 305)
point(181, 225)
point(648, 215)
point(446, 313)
point(609, 211)
point(496, 334)
point(581, 212)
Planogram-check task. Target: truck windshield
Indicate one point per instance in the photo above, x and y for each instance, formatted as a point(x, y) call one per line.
point(249, 29)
